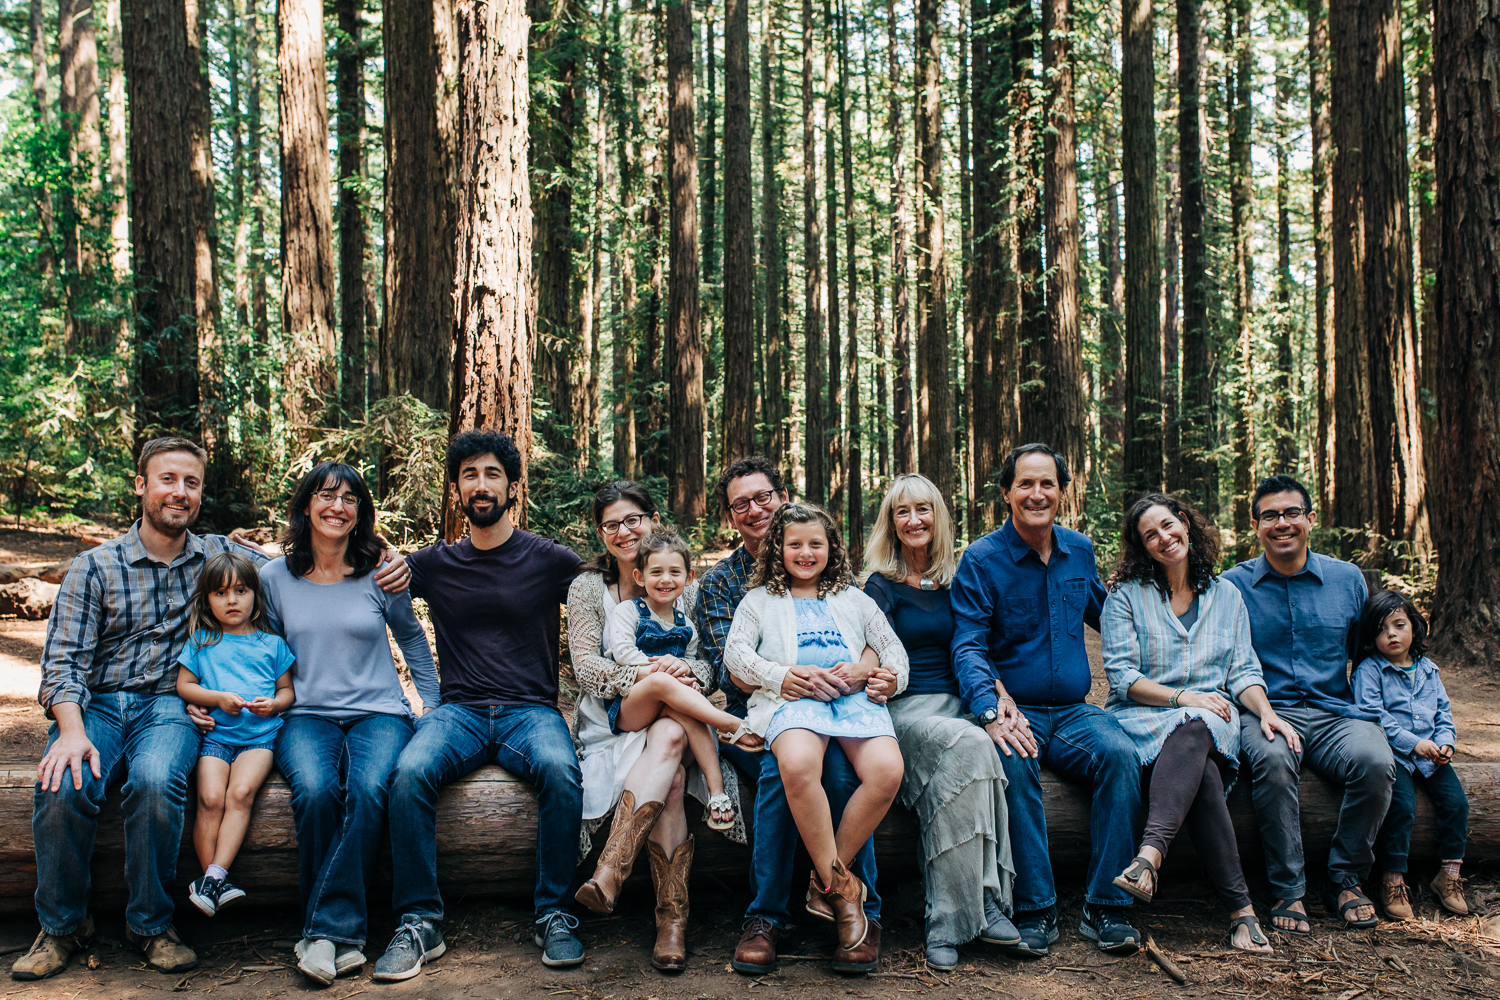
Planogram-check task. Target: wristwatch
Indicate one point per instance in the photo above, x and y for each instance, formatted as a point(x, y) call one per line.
point(987, 716)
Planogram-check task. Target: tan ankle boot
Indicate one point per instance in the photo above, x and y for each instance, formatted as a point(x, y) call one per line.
point(846, 897)
point(627, 833)
point(1450, 892)
point(1394, 900)
point(671, 879)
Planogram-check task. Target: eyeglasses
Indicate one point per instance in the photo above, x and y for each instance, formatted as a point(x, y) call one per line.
point(761, 500)
point(330, 496)
point(628, 523)
point(1292, 515)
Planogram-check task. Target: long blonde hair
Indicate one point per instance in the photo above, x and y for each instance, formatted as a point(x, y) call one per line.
point(883, 551)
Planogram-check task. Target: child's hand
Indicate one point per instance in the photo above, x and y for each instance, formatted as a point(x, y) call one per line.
point(263, 707)
point(1428, 750)
point(880, 686)
point(676, 666)
point(1447, 752)
point(231, 702)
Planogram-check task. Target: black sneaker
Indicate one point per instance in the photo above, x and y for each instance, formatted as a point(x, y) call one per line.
point(229, 893)
point(553, 933)
point(207, 894)
point(1038, 929)
point(416, 941)
point(1106, 926)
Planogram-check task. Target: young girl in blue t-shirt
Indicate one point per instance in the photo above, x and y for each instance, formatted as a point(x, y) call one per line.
point(233, 665)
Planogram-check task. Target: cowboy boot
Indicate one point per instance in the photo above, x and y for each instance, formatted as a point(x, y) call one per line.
point(671, 878)
point(846, 897)
point(627, 833)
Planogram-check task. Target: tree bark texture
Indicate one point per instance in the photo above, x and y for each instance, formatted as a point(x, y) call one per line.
point(813, 445)
point(171, 209)
point(1325, 443)
point(833, 419)
point(421, 67)
point(1143, 375)
point(934, 394)
point(354, 229)
point(1428, 248)
point(308, 293)
point(774, 412)
point(1242, 250)
point(38, 37)
point(991, 382)
point(493, 342)
point(1466, 55)
point(739, 261)
point(119, 224)
point(1283, 414)
point(1027, 303)
point(854, 525)
point(78, 100)
point(683, 323)
point(1198, 473)
point(902, 417)
point(1112, 320)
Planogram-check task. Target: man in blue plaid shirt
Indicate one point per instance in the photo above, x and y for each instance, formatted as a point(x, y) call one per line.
point(750, 491)
point(109, 684)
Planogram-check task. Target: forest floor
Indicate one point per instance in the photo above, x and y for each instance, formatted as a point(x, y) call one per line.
point(247, 953)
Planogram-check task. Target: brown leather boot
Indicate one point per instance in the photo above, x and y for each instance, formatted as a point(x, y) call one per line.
point(755, 955)
point(846, 897)
point(627, 833)
point(1450, 892)
point(1394, 900)
point(816, 904)
point(865, 958)
point(671, 879)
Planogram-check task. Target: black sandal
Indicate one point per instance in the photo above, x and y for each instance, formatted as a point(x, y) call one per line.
point(1296, 916)
point(1130, 879)
point(1360, 899)
point(1257, 936)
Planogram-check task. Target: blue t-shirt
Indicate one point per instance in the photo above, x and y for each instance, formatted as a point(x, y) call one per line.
point(246, 665)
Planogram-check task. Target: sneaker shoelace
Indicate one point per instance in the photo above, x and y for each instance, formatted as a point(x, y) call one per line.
point(568, 921)
point(410, 931)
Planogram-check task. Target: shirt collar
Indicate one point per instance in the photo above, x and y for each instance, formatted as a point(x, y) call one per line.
point(1018, 547)
point(136, 554)
point(1312, 567)
point(1421, 668)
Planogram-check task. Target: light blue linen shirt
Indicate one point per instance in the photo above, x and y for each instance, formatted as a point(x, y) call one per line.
point(1144, 639)
point(1412, 706)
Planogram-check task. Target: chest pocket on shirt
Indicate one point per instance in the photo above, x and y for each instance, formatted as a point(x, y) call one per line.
point(1018, 617)
point(1075, 595)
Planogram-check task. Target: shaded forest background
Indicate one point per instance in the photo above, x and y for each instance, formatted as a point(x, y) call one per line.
point(1188, 244)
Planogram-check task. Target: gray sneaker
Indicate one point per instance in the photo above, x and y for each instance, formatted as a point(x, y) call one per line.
point(416, 941)
point(315, 959)
point(347, 957)
point(997, 926)
point(553, 933)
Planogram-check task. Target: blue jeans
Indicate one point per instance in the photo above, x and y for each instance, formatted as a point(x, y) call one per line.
point(774, 852)
point(1081, 743)
point(150, 742)
point(1450, 803)
point(531, 741)
point(340, 774)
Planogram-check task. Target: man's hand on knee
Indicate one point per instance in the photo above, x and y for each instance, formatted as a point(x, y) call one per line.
point(71, 749)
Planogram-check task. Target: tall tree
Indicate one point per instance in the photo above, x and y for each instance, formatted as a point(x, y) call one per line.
point(739, 262)
point(308, 294)
point(78, 100)
point(812, 270)
point(902, 417)
point(1198, 475)
point(686, 337)
point(43, 108)
point(834, 415)
point(1112, 299)
point(708, 215)
point(1466, 50)
point(1027, 304)
point(854, 525)
point(1428, 244)
point(1065, 403)
point(775, 412)
point(1242, 244)
point(1284, 419)
point(1325, 441)
point(492, 343)
point(171, 209)
point(990, 383)
point(119, 197)
point(355, 308)
point(934, 395)
point(421, 68)
point(1143, 429)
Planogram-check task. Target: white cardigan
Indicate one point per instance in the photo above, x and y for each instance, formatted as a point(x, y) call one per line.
point(763, 641)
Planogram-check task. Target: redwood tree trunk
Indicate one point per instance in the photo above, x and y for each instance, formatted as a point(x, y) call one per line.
point(1143, 415)
point(854, 526)
point(901, 394)
point(78, 99)
point(493, 337)
point(739, 263)
point(684, 333)
point(813, 444)
point(934, 396)
point(1197, 469)
point(307, 287)
point(1325, 443)
point(775, 414)
point(1242, 238)
point(1466, 523)
point(354, 230)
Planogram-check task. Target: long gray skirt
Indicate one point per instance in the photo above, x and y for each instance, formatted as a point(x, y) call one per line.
point(955, 784)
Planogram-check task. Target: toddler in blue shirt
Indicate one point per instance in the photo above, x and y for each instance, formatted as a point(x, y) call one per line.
point(1397, 683)
point(234, 665)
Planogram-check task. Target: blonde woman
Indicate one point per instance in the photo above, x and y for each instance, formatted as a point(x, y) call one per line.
point(954, 781)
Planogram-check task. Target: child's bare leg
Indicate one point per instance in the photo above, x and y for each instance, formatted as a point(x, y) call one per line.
point(213, 779)
point(799, 756)
point(704, 745)
point(877, 761)
point(654, 692)
point(246, 775)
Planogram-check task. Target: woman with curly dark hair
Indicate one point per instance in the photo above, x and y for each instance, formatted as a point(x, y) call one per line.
point(803, 610)
point(1178, 654)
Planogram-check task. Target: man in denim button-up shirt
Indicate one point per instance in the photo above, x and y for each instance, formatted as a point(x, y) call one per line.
point(1021, 598)
point(1304, 615)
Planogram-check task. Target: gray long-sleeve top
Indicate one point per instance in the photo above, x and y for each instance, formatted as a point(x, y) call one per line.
point(337, 632)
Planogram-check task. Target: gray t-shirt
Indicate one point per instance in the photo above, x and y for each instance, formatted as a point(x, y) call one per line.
point(337, 632)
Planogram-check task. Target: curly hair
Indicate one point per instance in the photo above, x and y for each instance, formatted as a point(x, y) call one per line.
point(747, 467)
point(1136, 564)
point(770, 567)
point(1380, 606)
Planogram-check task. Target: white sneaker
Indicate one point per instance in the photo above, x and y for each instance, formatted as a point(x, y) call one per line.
point(349, 957)
point(317, 960)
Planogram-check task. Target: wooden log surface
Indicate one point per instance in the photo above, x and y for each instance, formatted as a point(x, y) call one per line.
point(487, 828)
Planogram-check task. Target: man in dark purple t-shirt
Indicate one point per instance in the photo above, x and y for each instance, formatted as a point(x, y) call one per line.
point(495, 598)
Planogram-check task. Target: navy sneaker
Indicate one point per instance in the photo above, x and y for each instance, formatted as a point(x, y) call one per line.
point(1106, 926)
point(1038, 930)
point(553, 933)
point(229, 893)
point(416, 941)
point(207, 894)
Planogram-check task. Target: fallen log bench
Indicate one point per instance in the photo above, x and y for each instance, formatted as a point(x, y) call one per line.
point(487, 828)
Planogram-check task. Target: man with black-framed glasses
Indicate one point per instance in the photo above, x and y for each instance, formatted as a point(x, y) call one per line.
point(1304, 621)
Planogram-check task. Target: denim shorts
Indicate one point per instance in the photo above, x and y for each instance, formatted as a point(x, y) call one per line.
point(227, 752)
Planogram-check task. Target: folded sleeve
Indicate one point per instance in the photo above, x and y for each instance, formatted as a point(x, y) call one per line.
point(72, 637)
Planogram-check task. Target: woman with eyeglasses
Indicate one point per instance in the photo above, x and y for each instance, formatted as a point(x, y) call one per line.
point(954, 781)
point(639, 776)
point(339, 742)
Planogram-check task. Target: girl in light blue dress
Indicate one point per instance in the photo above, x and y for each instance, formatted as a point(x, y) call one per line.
point(797, 636)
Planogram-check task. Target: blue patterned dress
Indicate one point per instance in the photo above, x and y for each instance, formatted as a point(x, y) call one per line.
point(821, 644)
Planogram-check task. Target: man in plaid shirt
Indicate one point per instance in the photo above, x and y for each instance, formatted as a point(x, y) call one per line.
point(109, 684)
point(750, 491)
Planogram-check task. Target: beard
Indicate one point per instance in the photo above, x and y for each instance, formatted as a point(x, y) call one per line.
point(170, 523)
point(487, 518)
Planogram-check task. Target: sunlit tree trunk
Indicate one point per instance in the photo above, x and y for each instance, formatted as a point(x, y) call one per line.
point(1242, 239)
point(775, 412)
point(1321, 128)
point(1197, 471)
point(934, 396)
point(78, 100)
point(119, 197)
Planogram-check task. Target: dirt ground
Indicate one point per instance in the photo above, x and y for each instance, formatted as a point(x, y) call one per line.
point(247, 953)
